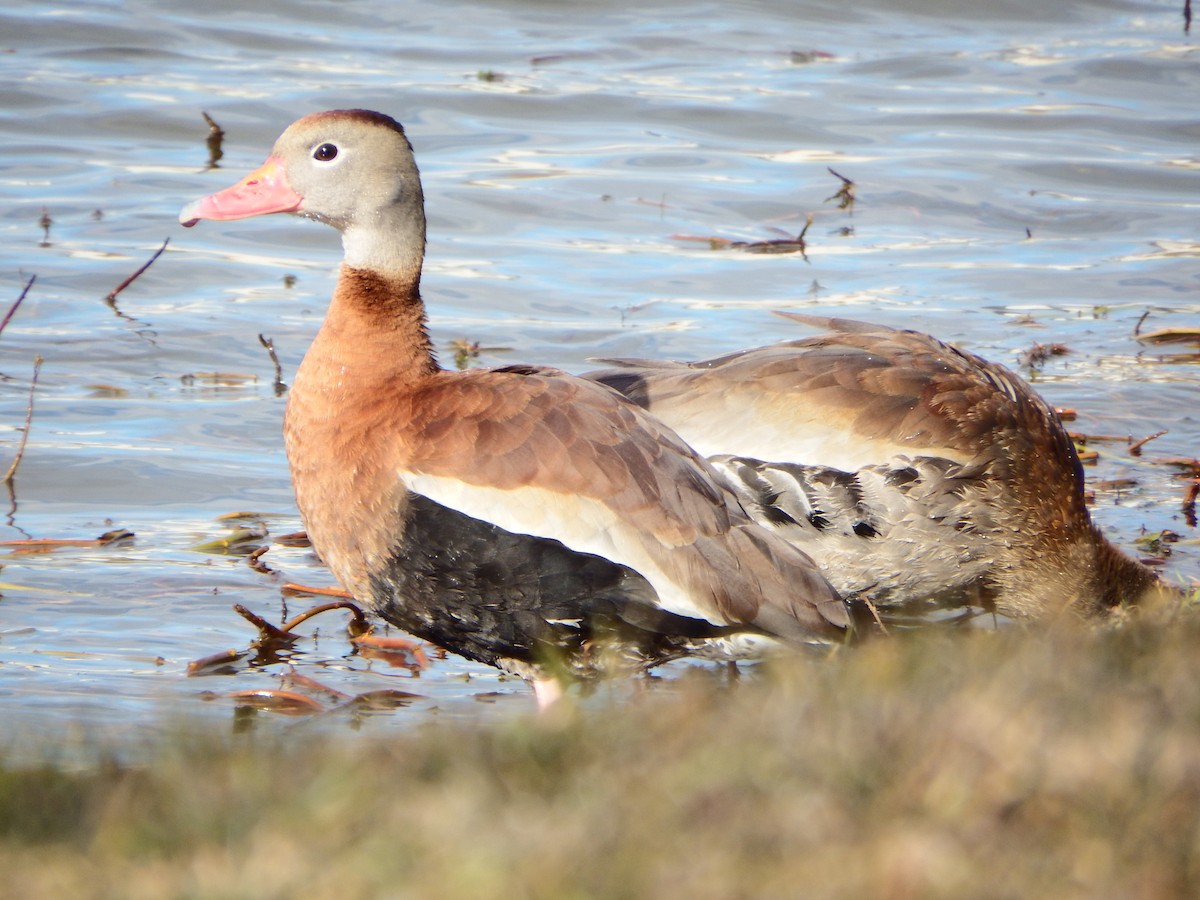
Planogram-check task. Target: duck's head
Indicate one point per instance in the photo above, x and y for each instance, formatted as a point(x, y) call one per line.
point(349, 168)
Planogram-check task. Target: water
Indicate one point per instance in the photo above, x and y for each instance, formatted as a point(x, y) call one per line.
point(1023, 173)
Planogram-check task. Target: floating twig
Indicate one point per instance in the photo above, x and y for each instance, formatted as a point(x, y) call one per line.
point(45, 545)
point(293, 588)
point(1176, 335)
point(1135, 449)
point(111, 299)
point(1137, 329)
point(224, 658)
point(293, 539)
point(12, 470)
point(784, 245)
point(358, 624)
point(254, 560)
point(868, 602)
point(267, 342)
point(21, 299)
point(267, 631)
point(1081, 437)
point(248, 517)
point(287, 702)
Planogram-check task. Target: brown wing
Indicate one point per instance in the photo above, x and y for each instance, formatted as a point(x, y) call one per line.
point(540, 452)
point(541, 428)
point(852, 397)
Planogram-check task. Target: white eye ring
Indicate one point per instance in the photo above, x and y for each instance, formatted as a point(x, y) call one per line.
point(325, 152)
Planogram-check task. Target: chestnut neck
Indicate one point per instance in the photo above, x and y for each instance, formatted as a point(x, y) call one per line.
point(345, 420)
point(374, 332)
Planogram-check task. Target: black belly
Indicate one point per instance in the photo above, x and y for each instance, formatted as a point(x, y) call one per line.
point(490, 595)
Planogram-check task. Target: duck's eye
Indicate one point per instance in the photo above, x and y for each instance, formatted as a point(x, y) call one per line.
point(325, 153)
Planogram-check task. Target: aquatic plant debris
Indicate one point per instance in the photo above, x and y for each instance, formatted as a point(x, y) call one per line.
point(17, 303)
point(292, 589)
point(218, 379)
point(280, 701)
point(216, 134)
point(795, 244)
point(1175, 335)
point(241, 542)
point(266, 630)
point(1039, 353)
point(464, 352)
point(115, 537)
point(359, 624)
point(845, 194)
point(254, 560)
point(111, 299)
point(269, 344)
point(12, 469)
point(402, 653)
point(224, 658)
point(1135, 447)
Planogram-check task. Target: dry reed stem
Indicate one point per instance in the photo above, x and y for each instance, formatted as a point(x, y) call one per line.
point(292, 588)
point(267, 631)
point(12, 470)
point(12, 309)
point(279, 386)
point(112, 296)
point(1135, 449)
point(358, 624)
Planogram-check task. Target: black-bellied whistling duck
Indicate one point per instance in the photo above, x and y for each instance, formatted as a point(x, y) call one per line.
point(511, 515)
point(909, 470)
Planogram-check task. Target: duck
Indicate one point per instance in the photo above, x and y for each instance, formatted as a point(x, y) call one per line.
point(920, 477)
point(521, 517)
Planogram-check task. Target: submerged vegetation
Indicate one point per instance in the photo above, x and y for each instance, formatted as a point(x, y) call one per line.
point(948, 763)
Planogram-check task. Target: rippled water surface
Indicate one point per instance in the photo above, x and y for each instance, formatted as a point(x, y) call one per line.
point(1024, 173)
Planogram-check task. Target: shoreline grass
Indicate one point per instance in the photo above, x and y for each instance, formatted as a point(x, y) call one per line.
point(1061, 763)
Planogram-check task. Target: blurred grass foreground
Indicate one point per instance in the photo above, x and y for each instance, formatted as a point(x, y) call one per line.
point(1059, 763)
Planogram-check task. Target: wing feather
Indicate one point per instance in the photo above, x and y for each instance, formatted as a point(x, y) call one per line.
point(542, 453)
